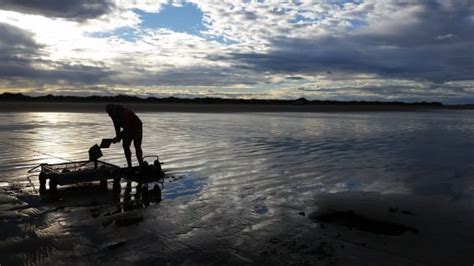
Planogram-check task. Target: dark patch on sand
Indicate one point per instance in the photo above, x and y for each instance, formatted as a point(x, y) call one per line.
point(362, 223)
point(95, 213)
point(297, 250)
point(396, 209)
point(407, 212)
point(322, 251)
point(126, 221)
point(116, 245)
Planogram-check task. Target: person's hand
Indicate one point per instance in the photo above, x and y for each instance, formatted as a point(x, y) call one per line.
point(116, 139)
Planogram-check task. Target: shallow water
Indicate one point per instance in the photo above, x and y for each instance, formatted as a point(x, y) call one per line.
point(237, 176)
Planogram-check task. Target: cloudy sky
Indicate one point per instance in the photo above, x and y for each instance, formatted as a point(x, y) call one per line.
point(409, 50)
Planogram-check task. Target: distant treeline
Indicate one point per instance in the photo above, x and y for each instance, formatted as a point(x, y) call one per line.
point(11, 97)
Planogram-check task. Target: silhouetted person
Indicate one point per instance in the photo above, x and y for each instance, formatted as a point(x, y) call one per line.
point(132, 130)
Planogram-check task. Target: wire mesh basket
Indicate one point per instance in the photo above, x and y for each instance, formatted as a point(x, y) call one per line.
point(63, 168)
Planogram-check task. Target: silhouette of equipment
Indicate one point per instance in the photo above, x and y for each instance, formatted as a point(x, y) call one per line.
point(105, 143)
point(150, 177)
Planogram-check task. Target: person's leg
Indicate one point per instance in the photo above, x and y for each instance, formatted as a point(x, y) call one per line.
point(126, 142)
point(137, 142)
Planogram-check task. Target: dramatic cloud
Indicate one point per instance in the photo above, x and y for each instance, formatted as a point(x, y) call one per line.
point(408, 43)
point(379, 50)
point(21, 62)
point(76, 10)
point(17, 50)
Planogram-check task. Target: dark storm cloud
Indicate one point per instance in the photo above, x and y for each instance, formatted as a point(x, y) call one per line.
point(187, 76)
point(446, 93)
point(14, 37)
point(17, 50)
point(77, 10)
point(20, 55)
point(75, 74)
point(438, 47)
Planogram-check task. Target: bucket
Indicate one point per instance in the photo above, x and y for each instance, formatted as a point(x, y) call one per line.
point(95, 153)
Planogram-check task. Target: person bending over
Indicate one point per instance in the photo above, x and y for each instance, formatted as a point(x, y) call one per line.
point(131, 130)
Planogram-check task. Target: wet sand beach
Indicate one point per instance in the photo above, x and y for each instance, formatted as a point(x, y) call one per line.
point(376, 188)
point(92, 230)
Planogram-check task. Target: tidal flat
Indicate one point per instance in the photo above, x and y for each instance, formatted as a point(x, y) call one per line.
point(279, 188)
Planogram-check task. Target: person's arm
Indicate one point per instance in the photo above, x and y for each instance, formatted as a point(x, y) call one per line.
point(126, 123)
point(118, 134)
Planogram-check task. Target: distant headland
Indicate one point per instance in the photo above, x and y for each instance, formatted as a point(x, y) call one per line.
point(21, 102)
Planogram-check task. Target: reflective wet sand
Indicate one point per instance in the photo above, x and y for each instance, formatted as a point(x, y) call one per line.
point(246, 188)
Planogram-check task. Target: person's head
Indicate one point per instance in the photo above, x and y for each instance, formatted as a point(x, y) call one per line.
point(112, 109)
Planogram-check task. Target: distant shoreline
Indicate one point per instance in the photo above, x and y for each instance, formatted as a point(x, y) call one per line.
point(16, 102)
point(28, 106)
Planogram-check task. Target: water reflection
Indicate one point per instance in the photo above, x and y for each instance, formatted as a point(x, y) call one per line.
point(236, 176)
point(125, 196)
point(242, 155)
point(55, 139)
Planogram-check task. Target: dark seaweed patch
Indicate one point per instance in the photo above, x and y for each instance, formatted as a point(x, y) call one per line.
point(362, 223)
